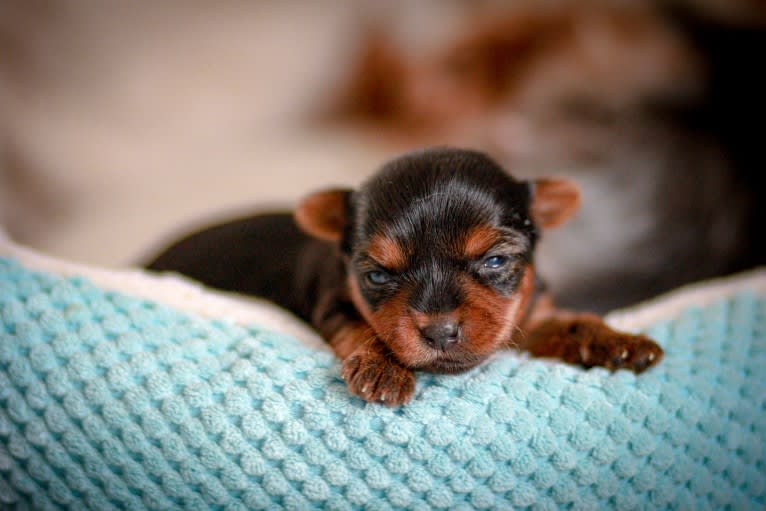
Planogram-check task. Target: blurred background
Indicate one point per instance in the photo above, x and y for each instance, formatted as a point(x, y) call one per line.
point(125, 124)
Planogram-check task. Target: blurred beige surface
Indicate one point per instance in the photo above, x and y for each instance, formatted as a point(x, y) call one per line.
point(124, 122)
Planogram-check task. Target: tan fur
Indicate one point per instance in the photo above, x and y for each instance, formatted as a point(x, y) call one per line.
point(479, 240)
point(486, 318)
point(387, 253)
point(322, 214)
point(584, 339)
point(554, 201)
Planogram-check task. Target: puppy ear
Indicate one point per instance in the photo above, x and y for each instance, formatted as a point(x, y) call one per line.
point(554, 201)
point(324, 214)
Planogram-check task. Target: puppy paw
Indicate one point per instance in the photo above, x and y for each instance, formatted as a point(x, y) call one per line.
point(586, 340)
point(373, 377)
point(616, 350)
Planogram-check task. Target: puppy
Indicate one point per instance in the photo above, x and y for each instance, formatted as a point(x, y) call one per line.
point(427, 267)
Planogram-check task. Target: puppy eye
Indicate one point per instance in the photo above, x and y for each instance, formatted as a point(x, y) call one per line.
point(378, 277)
point(495, 262)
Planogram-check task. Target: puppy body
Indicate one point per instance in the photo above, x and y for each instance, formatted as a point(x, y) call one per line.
point(428, 266)
point(265, 255)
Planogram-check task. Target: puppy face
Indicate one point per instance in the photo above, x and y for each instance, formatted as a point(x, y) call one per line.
point(438, 250)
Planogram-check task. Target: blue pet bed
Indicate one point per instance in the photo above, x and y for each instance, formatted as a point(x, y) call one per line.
point(110, 401)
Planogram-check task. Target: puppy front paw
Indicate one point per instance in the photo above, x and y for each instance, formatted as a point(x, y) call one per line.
point(586, 340)
point(616, 350)
point(375, 378)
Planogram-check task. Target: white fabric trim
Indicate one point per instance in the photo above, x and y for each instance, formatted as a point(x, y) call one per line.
point(171, 290)
point(186, 295)
point(669, 305)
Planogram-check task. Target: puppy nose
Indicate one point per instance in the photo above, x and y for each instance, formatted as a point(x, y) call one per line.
point(441, 333)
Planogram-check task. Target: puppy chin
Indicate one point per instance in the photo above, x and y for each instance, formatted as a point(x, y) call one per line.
point(419, 357)
point(443, 365)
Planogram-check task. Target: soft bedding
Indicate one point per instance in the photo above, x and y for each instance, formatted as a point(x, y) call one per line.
point(122, 390)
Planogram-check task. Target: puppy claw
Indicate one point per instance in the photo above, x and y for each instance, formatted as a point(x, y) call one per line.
point(375, 378)
point(636, 351)
point(584, 354)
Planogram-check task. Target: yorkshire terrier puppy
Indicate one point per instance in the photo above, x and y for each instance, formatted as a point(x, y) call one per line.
point(428, 266)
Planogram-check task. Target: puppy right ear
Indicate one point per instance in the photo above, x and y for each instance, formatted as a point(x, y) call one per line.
point(554, 201)
point(324, 215)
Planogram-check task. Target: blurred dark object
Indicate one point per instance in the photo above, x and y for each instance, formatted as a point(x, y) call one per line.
point(732, 13)
point(731, 35)
point(650, 110)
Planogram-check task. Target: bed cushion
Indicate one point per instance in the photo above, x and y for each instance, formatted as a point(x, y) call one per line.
point(111, 400)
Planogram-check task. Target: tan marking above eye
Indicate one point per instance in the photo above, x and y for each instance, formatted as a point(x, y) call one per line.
point(387, 252)
point(479, 240)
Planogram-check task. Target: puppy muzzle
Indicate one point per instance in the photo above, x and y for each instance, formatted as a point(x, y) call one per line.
point(441, 333)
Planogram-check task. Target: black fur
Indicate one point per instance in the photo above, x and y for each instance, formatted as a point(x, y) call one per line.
point(264, 255)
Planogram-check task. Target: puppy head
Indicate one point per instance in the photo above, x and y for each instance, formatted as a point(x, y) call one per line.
point(438, 249)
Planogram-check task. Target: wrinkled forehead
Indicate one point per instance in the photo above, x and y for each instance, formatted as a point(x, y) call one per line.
point(452, 219)
point(439, 215)
point(436, 196)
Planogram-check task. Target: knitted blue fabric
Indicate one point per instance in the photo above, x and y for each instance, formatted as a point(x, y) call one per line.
point(112, 402)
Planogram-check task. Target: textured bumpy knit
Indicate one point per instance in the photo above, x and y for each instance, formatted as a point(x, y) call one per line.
point(109, 401)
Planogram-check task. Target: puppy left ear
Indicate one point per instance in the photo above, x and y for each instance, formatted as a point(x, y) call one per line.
point(554, 201)
point(324, 215)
